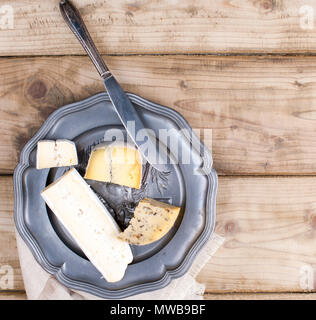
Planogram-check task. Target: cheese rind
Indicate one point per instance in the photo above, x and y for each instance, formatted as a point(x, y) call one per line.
point(89, 223)
point(117, 163)
point(152, 220)
point(59, 153)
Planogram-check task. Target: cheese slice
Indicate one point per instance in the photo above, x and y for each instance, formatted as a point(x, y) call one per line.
point(117, 163)
point(89, 223)
point(152, 220)
point(59, 153)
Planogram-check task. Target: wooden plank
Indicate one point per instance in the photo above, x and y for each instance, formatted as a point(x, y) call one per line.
point(261, 109)
point(10, 272)
point(255, 296)
point(133, 27)
point(260, 296)
point(13, 295)
point(20, 295)
point(269, 225)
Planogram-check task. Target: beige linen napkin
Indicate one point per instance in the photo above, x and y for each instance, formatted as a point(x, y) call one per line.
point(39, 285)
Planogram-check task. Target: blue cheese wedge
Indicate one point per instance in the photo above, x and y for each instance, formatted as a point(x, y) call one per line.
point(59, 153)
point(89, 223)
point(118, 163)
point(152, 220)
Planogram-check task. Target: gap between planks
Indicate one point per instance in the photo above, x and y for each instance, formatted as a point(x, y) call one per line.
point(269, 231)
point(241, 99)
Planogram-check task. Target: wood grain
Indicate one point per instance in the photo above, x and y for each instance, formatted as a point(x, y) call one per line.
point(260, 296)
point(262, 110)
point(13, 295)
point(8, 248)
point(269, 225)
point(148, 26)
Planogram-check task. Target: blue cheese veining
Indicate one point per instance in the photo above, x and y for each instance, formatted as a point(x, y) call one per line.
point(152, 220)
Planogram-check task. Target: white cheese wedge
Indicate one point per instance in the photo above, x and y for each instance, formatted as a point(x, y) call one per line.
point(117, 163)
point(59, 153)
point(89, 223)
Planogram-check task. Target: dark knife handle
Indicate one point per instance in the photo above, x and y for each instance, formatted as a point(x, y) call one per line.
point(77, 26)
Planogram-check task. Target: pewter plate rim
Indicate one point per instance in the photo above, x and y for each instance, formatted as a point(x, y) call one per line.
point(57, 270)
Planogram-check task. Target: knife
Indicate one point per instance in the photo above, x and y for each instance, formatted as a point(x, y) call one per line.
point(123, 106)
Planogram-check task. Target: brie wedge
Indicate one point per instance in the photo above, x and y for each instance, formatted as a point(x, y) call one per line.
point(89, 223)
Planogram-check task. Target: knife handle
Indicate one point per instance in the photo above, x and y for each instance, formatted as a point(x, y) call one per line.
point(77, 26)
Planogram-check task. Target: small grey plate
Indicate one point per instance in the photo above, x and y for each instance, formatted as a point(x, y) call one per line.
point(155, 265)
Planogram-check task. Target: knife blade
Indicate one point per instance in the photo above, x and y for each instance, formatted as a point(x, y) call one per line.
point(129, 117)
point(150, 149)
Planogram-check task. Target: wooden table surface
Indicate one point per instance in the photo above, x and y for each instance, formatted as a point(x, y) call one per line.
point(245, 68)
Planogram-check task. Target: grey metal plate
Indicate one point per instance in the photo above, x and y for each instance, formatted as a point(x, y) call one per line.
point(154, 265)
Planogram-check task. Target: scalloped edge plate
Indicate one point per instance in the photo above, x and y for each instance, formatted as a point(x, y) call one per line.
point(57, 271)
